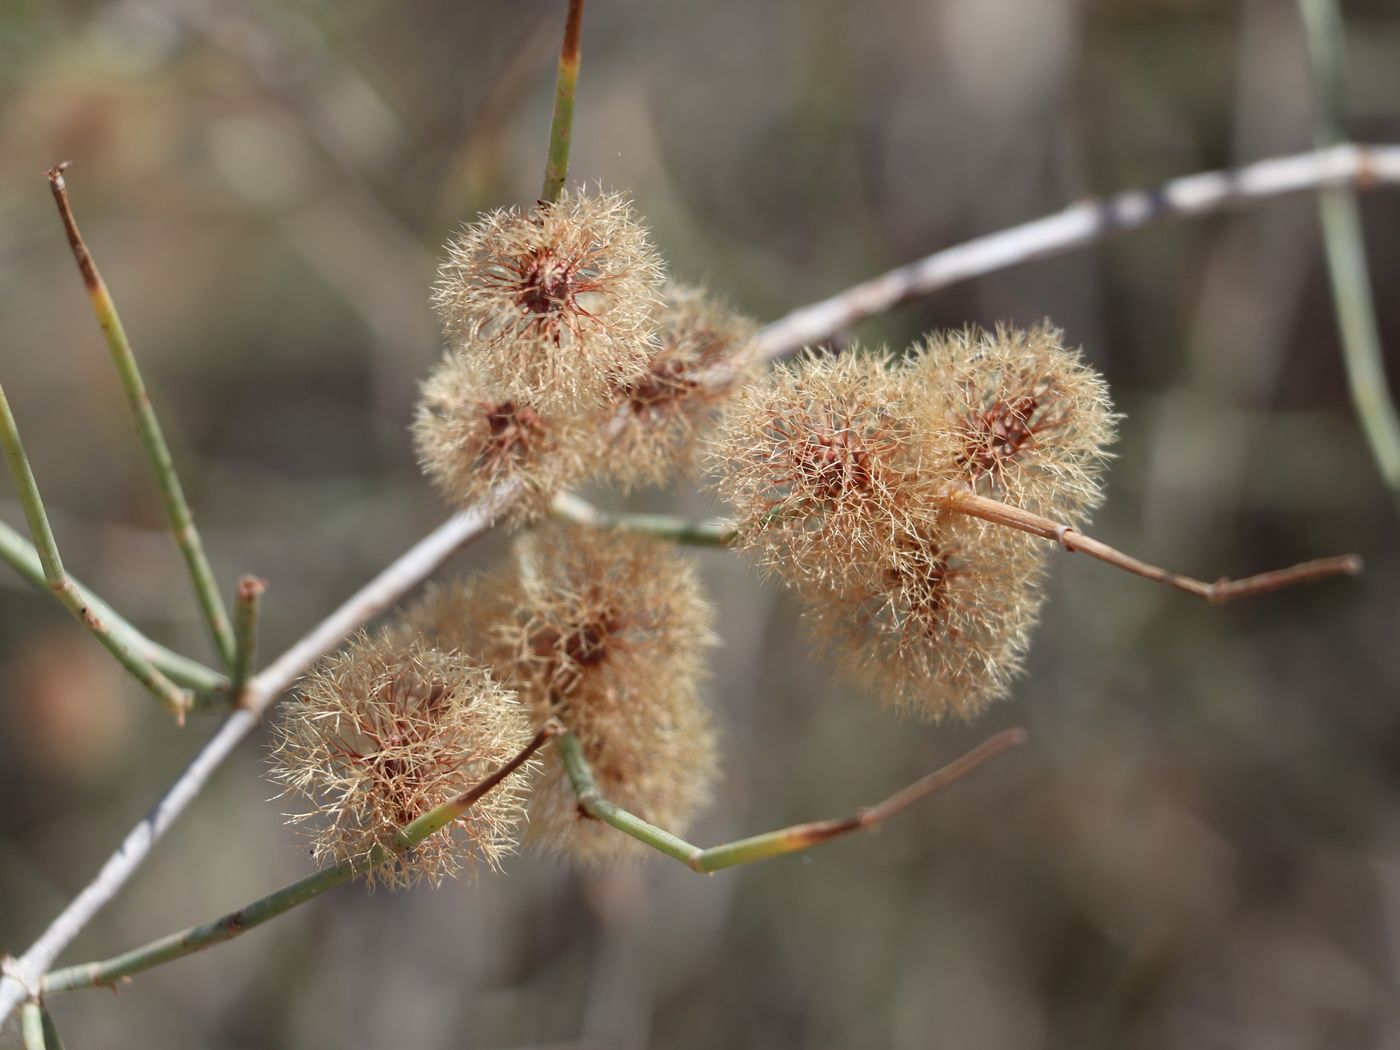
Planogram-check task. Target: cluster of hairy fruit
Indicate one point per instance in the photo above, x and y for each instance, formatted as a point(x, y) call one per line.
point(572, 357)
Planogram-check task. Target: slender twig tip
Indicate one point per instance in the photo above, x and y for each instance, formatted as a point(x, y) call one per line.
point(250, 587)
point(55, 174)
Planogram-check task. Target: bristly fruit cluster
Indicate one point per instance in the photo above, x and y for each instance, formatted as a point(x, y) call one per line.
point(385, 731)
point(607, 633)
point(568, 355)
point(841, 471)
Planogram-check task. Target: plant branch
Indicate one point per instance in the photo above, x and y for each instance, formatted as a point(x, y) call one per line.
point(1217, 593)
point(158, 456)
point(774, 843)
point(226, 928)
point(176, 700)
point(406, 572)
point(31, 1022)
point(245, 629)
point(1346, 251)
point(1084, 223)
point(561, 128)
point(695, 532)
point(211, 687)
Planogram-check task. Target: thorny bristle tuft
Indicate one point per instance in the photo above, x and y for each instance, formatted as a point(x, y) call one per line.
point(840, 472)
point(553, 306)
point(386, 730)
point(1031, 421)
point(822, 465)
point(941, 628)
point(706, 352)
point(470, 442)
point(607, 632)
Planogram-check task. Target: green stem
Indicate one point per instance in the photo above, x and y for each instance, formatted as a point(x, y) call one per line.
point(1346, 252)
point(210, 686)
point(561, 128)
point(158, 456)
point(206, 935)
point(245, 629)
point(694, 532)
point(31, 1020)
point(773, 843)
point(51, 1038)
point(176, 700)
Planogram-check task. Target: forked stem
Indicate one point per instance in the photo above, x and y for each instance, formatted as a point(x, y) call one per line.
point(177, 509)
point(561, 128)
point(175, 699)
point(773, 843)
point(211, 687)
point(197, 938)
point(1219, 592)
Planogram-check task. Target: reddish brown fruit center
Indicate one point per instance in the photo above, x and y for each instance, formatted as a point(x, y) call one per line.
point(925, 578)
point(834, 463)
point(513, 430)
point(664, 384)
point(546, 282)
point(1006, 428)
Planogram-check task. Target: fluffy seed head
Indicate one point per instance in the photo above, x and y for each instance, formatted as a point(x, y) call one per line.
point(470, 441)
point(941, 627)
point(1031, 422)
point(386, 730)
point(823, 464)
point(706, 352)
point(553, 305)
point(606, 631)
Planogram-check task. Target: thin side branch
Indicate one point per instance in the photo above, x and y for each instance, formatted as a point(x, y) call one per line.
point(245, 629)
point(561, 128)
point(406, 572)
point(211, 687)
point(226, 928)
point(1217, 593)
point(1090, 221)
point(774, 843)
point(695, 532)
point(177, 510)
point(176, 700)
point(1346, 251)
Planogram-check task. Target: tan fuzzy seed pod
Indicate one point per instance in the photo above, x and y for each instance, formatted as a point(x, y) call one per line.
point(1031, 422)
point(386, 730)
point(553, 306)
point(610, 637)
point(823, 464)
point(942, 627)
point(470, 442)
point(706, 352)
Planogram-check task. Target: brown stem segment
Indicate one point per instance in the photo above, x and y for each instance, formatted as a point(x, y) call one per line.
point(1217, 593)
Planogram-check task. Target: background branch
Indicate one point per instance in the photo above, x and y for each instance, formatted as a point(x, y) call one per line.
point(1078, 225)
point(1346, 250)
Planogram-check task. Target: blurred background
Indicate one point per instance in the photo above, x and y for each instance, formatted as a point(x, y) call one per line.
point(1201, 844)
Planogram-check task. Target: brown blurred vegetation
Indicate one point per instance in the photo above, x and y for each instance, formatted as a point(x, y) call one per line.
point(1201, 845)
